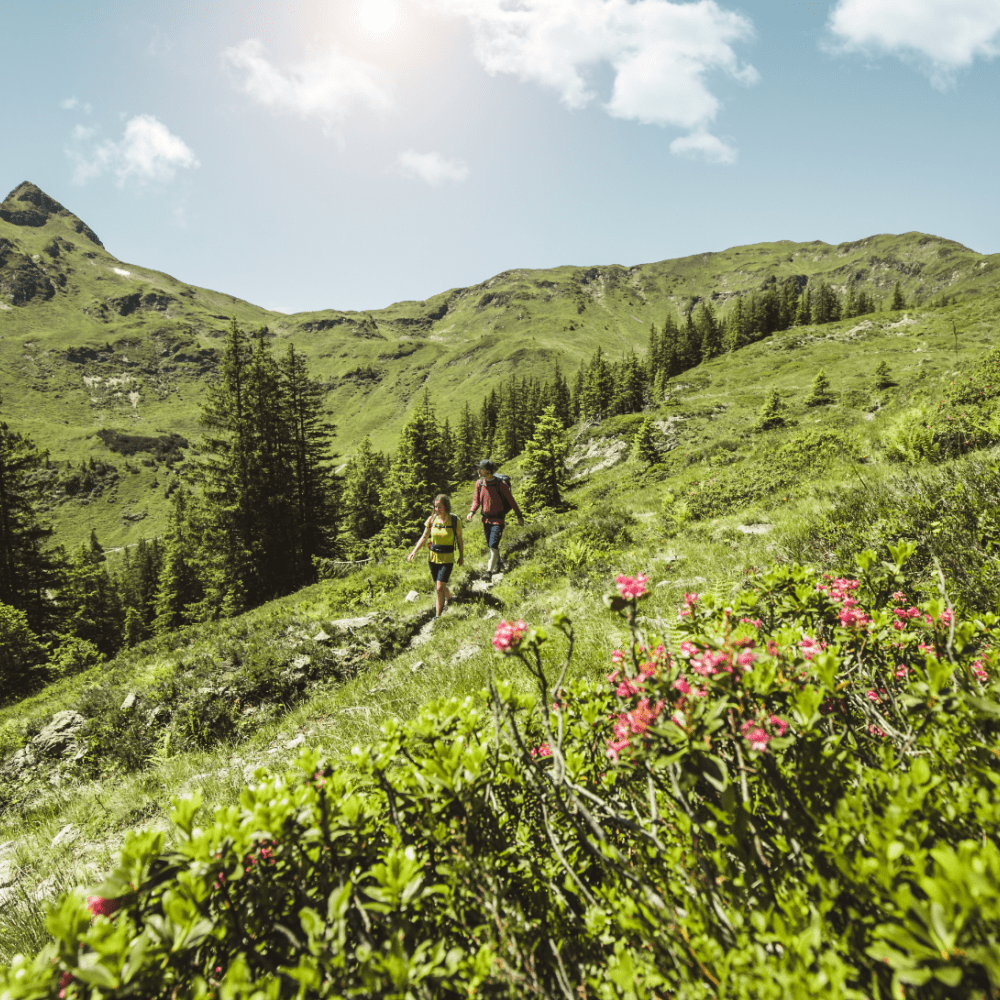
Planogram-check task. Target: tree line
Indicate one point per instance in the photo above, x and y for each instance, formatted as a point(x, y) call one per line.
point(257, 507)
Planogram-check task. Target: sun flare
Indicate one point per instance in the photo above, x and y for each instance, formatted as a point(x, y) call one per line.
point(378, 17)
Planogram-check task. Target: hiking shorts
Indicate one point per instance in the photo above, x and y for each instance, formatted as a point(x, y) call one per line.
point(493, 533)
point(440, 572)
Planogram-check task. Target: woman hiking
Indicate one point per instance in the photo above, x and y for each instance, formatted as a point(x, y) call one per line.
point(444, 530)
point(493, 493)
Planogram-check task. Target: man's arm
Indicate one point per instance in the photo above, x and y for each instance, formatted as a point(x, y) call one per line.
point(475, 501)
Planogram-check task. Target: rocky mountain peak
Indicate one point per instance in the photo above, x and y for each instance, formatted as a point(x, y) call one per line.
point(29, 205)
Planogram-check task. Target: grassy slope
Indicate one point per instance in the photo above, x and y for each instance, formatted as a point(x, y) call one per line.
point(71, 364)
point(567, 561)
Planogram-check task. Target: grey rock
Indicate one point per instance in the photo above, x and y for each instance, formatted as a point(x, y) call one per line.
point(320, 636)
point(465, 653)
point(59, 735)
point(297, 742)
point(9, 873)
point(129, 701)
point(65, 836)
point(412, 596)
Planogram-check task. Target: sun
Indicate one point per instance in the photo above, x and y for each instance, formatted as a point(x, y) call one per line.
point(378, 17)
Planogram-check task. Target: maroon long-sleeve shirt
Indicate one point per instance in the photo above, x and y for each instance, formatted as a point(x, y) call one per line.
point(488, 495)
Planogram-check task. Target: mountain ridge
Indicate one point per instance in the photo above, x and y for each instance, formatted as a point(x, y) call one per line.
point(89, 343)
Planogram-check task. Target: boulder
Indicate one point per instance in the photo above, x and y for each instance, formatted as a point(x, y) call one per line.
point(59, 735)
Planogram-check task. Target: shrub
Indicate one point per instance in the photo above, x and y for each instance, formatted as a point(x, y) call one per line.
point(794, 795)
point(73, 655)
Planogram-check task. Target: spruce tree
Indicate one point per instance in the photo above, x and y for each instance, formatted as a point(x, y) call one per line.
point(851, 303)
point(313, 502)
point(29, 573)
point(643, 444)
point(883, 377)
point(560, 397)
point(737, 332)
point(789, 303)
point(803, 312)
point(670, 347)
point(364, 479)
point(466, 446)
point(545, 463)
point(819, 392)
point(90, 601)
point(21, 653)
point(826, 308)
point(709, 332)
point(898, 299)
point(771, 414)
point(180, 592)
point(419, 473)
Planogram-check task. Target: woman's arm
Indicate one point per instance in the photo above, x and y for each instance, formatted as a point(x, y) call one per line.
point(420, 544)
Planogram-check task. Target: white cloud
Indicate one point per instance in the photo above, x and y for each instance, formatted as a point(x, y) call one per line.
point(326, 88)
point(148, 151)
point(659, 51)
point(432, 168)
point(943, 35)
point(71, 104)
point(706, 146)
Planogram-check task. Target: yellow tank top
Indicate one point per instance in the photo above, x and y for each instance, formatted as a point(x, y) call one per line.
point(442, 534)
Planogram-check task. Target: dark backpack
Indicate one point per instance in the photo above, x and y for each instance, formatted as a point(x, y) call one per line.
point(503, 498)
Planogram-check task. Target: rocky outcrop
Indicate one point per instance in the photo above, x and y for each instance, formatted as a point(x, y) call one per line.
point(28, 205)
point(60, 736)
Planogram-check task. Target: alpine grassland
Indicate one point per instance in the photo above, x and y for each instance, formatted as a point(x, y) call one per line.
point(724, 723)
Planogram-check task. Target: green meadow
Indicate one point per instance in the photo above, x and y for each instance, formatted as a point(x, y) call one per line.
point(335, 667)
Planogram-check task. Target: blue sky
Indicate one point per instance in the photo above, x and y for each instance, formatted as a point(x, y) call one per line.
point(351, 153)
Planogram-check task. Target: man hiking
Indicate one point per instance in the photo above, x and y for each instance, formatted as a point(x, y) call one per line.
point(493, 493)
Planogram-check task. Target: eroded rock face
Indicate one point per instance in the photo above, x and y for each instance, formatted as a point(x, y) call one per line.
point(60, 735)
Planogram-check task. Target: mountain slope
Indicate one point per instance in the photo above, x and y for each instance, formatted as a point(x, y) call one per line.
point(89, 343)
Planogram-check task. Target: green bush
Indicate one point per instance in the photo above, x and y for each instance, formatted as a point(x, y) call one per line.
point(795, 796)
point(72, 656)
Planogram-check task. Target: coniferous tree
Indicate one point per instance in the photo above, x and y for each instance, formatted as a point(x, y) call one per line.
point(865, 304)
point(769, 310)
point(709, 332)
point(180, 593)
point(883, 377)
point(826, 308)
point(466, 446)
point(598, 392)
point(419, 473)
point(576, 399)
point(313, 503)
point(643, 444)
point(545, 463)
point(137, 583)
point(691, 341)
point(28, 572)
point(819, 392)
point(898, 299)
point(789, 303)
point(737, 326)
point(771, 414)
point(21, 653)
point(364, 480)
point(670, 347)
point(560, 399)
point(90, 601)
point(803, 312)
point(851, 302)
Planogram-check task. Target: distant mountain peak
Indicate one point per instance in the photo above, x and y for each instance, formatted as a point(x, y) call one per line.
point(29, 205)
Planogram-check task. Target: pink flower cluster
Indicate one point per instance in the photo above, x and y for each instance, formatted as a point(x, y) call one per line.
point(757, 735)
point(810, 647)
point(541, 751)
point(841, 590)
point(509, 635)
point(634, 723)
point(101, 907)
point(690, 603)
point(631, 588)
